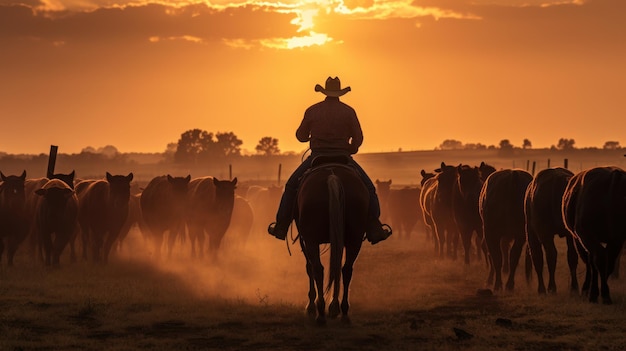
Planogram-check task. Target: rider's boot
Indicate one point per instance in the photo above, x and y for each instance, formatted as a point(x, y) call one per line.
point(279, 229)
point(377, 232)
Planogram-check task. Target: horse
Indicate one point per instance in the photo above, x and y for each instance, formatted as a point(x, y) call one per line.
point(542, 208)
point(594, 212)
point(13, 220)
point(332, 208)
point(501, 206)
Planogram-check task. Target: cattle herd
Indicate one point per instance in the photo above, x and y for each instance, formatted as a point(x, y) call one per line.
point(494, 214)
point(45, 216)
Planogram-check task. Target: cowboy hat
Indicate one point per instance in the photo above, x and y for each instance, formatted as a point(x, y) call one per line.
point(333, 87)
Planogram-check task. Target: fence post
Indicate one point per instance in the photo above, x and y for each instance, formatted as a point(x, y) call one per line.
point(52, 160)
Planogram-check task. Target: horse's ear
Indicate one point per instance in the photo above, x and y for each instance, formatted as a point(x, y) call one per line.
point(129, 177)
point(443, 164)
point(23, 176)
point(234, 181)
point(377, 181)
point(108, 176)
point(188, 178)
point(423, 173)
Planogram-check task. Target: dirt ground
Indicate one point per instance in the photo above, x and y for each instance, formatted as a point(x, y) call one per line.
point(253, 298)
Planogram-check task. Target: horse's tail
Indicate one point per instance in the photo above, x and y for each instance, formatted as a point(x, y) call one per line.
point(336, 214)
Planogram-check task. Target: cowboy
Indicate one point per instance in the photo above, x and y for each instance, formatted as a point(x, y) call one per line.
point(331, 127)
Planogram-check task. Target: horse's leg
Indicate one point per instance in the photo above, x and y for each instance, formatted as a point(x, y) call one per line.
point(313, 254)
point(310, 307)
point(351, 255)
point(514, 258)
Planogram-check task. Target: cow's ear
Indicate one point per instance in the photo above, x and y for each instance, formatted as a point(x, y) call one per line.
point(41, 192)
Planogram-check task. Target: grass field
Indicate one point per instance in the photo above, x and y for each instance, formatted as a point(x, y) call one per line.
point(253, 297)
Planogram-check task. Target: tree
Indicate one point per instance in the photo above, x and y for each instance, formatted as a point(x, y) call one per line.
point(565, 144)
point(228, 144)
point(170, 151)
point(505, 144)
point(611, 145)
point(526, 144)
point(193, 144)
point(109, 151)
point(268, 146)
point(451, 144)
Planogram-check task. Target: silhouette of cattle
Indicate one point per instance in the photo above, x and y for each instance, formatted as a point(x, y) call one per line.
point(442, 210)
point(429, 185)
point(264, 202)
point(163, 205)
point(102, 211)
point(240, 227)
point(403, 206)
point(485, 170)
point(210, 210)
point(32, 200)
point(383, 188)
point(55, 218)
point(134, 219)
point(542, 206)
point(501, 205)
point(594, 211)
point(465, 195)
point(13, 220)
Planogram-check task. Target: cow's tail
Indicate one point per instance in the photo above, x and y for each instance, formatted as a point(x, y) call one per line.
point(336, 216)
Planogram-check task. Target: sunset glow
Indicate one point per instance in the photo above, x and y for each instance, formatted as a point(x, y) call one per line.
point(421, 72)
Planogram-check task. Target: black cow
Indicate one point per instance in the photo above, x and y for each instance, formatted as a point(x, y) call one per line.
point(163, 205)
point(501, 205)
point(32, 199)
point(442, 211)
point(429, 185)
point(404, 210)
point(13, 219)
point(210, 210)
point(542, 206)
point(55, 218)
point(102, 211)
point(594, 211)
point(465, 208)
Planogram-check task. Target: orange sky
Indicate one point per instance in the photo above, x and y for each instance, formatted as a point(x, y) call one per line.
point(137, 74)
